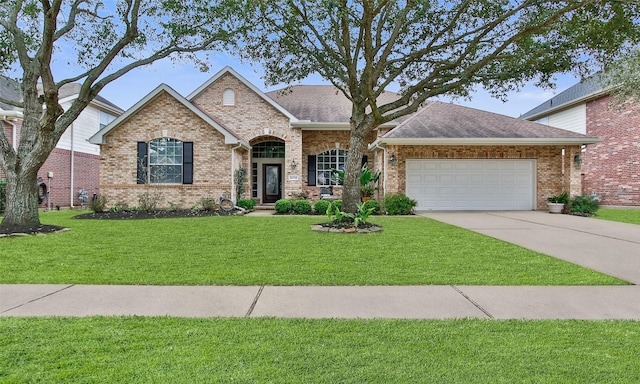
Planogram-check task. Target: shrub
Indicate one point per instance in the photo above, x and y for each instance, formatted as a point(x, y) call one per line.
point(149, 201)
point(398, 204)
point(283, 206)
point(320, 207)
point(302, 207)
point(98, 204)
point(247, 204)
point(372, 204)
point(3, 194)
point(335, 206)
point(208, 203)
point(584, 204)
point(174, 206)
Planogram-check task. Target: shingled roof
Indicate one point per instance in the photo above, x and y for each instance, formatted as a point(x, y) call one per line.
point(445, 123)
point(10, 90)
point(319, 103)
point(584, 89)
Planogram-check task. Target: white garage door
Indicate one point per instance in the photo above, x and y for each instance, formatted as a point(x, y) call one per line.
point(471, 184)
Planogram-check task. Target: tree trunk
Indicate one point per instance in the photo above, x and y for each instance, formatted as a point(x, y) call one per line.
point(351, 190)
point(22, 200)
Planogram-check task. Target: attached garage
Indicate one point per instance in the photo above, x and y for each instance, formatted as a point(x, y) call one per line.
point(464, 184)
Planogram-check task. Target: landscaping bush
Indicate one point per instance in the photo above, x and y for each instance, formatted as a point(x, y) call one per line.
point(302, 207)
point(3, 194)
point(283, 206)
point(247, 204)
point(149, 201)
point(584, 204)
point(208, 203)
point(98, 204)
point(398, 204)
point(320, 207)
point(372, 204)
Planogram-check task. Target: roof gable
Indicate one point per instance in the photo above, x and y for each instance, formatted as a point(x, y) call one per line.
point(229, 136)
point(247, 83)
point(580, 92)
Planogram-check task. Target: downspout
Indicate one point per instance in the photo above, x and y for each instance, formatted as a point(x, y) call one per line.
point(14, 132)
point(233, 179)
point(71, 187)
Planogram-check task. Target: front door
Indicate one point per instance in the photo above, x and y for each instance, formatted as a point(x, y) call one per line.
point(271, 191)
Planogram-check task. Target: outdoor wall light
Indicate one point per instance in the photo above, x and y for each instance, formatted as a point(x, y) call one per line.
point(577, 160)
point(392, 160)
point(293, 164)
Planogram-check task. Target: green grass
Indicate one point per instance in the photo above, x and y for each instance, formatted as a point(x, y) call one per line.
point(631, 216)
point(275, 251)
point(173, 350)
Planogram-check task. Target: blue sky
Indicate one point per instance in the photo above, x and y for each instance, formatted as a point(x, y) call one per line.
point(184, 78)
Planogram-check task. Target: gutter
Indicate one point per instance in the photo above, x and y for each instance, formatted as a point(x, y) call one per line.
point(486, 141)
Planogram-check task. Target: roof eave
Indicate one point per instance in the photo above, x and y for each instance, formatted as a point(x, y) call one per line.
point(13, 115)
point(484, 141)
point(567, 105)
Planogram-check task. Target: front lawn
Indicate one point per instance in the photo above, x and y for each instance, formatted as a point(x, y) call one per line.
point(176, 350)
point(631, 216)
point(274, 251)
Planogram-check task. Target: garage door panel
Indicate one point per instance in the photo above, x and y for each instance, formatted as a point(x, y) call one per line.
point(471, 184)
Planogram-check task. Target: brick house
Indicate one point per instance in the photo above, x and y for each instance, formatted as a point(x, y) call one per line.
point(445, 156)
point(610, 168)
point(74, 163)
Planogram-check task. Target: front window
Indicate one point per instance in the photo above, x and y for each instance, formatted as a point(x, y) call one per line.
point(165, 161)
point(326, 161)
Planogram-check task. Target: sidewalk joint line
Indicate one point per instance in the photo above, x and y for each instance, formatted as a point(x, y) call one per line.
point(473, 302)
point(255, 301)
point(39, 298)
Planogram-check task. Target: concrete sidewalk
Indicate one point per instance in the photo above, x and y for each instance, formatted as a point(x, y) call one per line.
point(409, 302)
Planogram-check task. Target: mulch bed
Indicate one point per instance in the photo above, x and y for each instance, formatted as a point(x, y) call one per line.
point(159, 214)
point(28, 230)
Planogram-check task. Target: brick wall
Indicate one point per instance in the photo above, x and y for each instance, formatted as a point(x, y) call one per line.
point(612, 167)
point(256, 120)
point(86, 173)
point(315, 142)
point(212, 158)
point(550, 178)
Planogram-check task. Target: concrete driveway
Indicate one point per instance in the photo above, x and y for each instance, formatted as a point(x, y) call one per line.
point(606, 246)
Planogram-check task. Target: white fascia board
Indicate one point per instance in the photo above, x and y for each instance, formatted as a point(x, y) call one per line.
point(11, 115)
point(568, 104)
point(229, 138)
point(486, 141)
point(246, 82)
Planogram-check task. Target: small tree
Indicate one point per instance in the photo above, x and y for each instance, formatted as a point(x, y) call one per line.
point(100, 42)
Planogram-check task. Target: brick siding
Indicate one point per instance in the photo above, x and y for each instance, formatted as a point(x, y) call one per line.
point(86, 173)
point(612, 167)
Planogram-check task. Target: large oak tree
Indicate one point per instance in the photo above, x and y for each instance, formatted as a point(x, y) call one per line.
point(99, 42)
point(428, 48)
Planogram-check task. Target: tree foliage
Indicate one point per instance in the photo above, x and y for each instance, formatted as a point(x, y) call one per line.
point(623, 78)
point(97, 43)
point(428, 48)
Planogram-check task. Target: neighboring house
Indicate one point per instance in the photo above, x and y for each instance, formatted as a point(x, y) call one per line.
point(610, 168)
point(74, 163)
point(445, 156)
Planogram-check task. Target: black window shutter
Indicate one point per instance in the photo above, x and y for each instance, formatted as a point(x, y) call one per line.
point(365, 159)
point(187, 162)
point(311, 165)
point(142, 163)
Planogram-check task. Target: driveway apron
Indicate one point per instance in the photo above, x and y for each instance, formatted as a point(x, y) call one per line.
point(609, 247)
